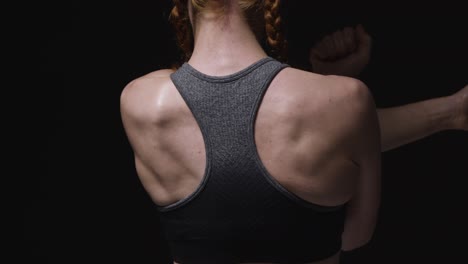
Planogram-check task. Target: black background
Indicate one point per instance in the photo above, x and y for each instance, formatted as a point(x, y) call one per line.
point(90, 207)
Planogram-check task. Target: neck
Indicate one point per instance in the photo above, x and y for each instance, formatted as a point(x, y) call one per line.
point(224, 43)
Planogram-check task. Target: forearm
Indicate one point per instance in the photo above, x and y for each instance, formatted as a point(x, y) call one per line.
point(404, 124)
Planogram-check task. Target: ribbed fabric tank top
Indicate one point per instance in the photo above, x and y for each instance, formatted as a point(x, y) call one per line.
point(240, 213)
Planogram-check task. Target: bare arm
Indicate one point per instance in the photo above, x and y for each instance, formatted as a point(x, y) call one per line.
point(346, 52)
point(401, 125)
point(362, 209)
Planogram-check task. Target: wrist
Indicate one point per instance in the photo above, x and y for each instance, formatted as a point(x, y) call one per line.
point(446, 113)
point(459, 115)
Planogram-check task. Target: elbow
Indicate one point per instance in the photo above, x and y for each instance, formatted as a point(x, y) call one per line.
point(354, 241)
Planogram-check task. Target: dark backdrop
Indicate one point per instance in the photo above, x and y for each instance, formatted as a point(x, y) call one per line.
point(90, 207)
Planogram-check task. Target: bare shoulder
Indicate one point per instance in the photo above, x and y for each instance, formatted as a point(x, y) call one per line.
point(144, 86)
point(353, 95)
point(143, 94)
point(336, 94)
point(337, 105)
point(352, 104)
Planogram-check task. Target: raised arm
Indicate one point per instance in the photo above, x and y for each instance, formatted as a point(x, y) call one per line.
point(346, 52)
point(401, 125)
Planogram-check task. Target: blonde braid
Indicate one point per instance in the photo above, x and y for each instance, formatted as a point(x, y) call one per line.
point(273, 30)
point(180, 20)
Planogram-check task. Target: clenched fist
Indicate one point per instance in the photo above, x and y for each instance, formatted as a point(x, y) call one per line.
point(344, 52)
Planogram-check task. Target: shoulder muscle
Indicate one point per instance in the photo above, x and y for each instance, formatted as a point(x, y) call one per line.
point(141, 93)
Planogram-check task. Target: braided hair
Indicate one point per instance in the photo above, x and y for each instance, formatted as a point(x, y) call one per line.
point(274, 33)
point(271, 31)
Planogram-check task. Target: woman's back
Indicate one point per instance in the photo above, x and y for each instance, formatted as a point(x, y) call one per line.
point(247, 159)
point(301, 133)
point(305, 136)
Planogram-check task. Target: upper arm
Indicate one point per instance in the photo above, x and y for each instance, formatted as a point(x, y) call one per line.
point(362, 209)
point(139, 102)
point(130, 109)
